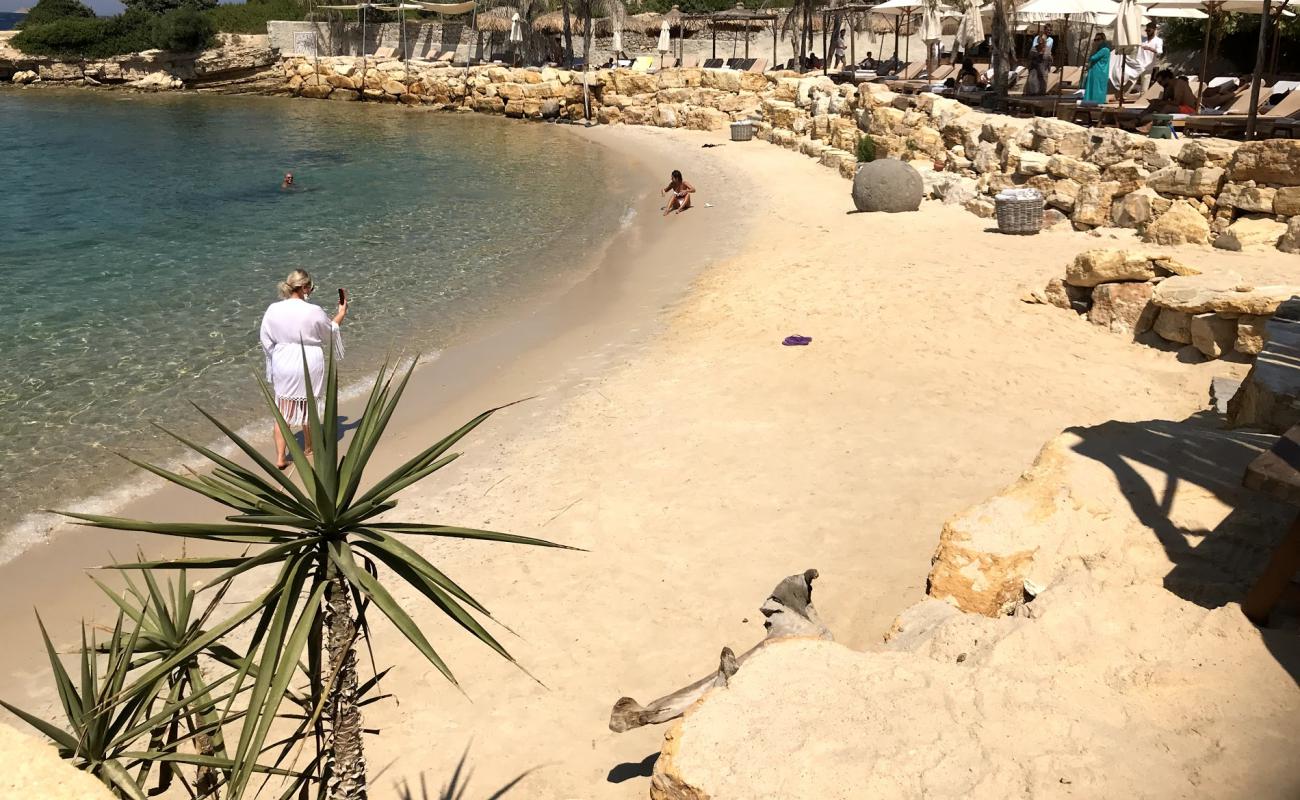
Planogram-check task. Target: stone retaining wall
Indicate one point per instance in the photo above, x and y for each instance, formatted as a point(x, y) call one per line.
point(1205, 191)
point(1132, 293)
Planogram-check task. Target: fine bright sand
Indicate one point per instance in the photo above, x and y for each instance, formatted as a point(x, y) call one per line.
point(697, 461)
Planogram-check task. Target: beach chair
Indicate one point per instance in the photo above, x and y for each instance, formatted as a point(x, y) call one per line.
point(691, 61)
point(734, 63)
point(1235, 124)
point(1071, 77)
point(382, 53)
point(642, 63)
point(713, 63)
point(911, 71)
point(758, 65)
point(668, 62)
point(447, 56)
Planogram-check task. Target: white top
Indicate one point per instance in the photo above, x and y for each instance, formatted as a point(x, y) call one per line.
point(1151, 49)
point(1050, 43)
point(288, 327)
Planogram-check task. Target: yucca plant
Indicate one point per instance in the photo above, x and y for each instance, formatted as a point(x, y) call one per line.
point(108, 715)
point(328, 548)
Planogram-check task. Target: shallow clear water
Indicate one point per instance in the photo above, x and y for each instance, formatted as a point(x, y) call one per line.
point(142, 237)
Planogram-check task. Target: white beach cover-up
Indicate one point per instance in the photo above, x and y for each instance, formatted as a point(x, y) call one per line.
point(290, 328)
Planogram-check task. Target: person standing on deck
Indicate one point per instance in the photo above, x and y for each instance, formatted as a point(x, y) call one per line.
point(1097, 83)
point(840, 49)
point(1152, 48)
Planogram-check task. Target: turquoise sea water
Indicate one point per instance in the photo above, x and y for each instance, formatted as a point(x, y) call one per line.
point(142, 237)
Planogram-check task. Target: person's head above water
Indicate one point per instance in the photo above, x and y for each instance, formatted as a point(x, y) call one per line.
point(288, 179)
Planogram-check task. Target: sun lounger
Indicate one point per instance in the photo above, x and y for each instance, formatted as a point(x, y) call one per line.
point(758, 65)
point(691, 61)
point(713, 63)
point(911, 71)
point(385, 52)
point(1070, 76)
point(1235, 124)
point(642, 63)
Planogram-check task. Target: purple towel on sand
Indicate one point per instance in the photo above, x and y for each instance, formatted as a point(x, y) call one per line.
point(796, 341)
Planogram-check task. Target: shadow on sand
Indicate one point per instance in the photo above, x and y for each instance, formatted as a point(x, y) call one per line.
point(455, 788)
point(1210, 567)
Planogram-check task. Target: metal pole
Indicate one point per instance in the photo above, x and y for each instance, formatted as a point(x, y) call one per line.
point(1252, 116)
point(363, 52)
point(1212, 8)
point(713, 26)
point(746, 40)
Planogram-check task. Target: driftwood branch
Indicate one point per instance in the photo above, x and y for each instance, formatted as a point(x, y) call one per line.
point(788, 612)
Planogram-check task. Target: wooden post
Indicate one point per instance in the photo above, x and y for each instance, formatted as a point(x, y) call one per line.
point(713, 26)
point(1252, 116)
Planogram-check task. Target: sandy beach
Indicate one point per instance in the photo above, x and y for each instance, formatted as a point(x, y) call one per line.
point(696, 460)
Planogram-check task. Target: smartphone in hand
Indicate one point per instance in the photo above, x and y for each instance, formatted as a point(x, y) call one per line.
point(343, 296)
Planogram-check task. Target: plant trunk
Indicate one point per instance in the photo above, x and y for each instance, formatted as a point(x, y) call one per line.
point(344, 756)
point(568, 34)
point(1000, 37)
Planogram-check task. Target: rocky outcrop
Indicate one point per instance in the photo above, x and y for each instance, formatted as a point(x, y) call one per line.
point(1269, 161)
point(1124, 661)
point(1251, 232)
point(1183, 223)
point(30, 768)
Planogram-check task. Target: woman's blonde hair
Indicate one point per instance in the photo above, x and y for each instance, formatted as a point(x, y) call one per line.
point(298, 279)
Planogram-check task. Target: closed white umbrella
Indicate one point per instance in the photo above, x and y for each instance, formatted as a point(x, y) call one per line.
point(970, 30)
point(1126, 36)
point(665, 38)
point(516, 29)
point(617, 44)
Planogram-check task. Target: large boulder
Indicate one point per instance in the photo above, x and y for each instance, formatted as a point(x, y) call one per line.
point(1247, 197)
point(1213, 335)
point(1223, 293)
point(1269, 398)
point(1092, 205)
point(1123, 307)
point(1251, 232)
point(887, 185)
point(1197, 153)
point(1137, 208)
point(1181, 224)
point(1286, 201)
point(34, 770)
point(1093, 267)
point(1199, 182)
point(1275, 161)
point(1290, 241)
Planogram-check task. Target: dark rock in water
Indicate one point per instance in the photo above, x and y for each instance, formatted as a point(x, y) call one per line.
point(887, 185)
point(1269, 398)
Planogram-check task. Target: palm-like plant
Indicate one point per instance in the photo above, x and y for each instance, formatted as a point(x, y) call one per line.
point(107, 715)
point(328, 547)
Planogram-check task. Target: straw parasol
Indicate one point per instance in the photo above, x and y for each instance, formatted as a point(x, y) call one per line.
point(553, 22)
point(496, 20)
point(647, 22)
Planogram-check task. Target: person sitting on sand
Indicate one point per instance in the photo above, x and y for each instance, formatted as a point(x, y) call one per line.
point(682, 192)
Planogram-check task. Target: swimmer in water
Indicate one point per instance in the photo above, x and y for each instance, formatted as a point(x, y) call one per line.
point(288, 181)
point(682, 192)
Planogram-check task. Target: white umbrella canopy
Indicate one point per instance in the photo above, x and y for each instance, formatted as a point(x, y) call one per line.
point(516, 29)
point(1056, 9)
point(970, 30)
point(931, 22)
point(665, 38)
point(1128, 25)
point(897, 8)
point(617, 44)
point(1215, 6)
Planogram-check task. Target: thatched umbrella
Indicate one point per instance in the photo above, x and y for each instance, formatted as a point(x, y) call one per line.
point(496, 20)
point(646, 23)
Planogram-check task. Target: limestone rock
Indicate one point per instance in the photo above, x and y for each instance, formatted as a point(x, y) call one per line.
point(1093, 267)
point(1197, 153)
point(981, 207)
point(1030, 163)
point(1198, 182)
point(1247, 197)
point(1123, 307)
point(1058, 137)
point(25, 76)
point(1129, 174)
point(1092, 205)
point(1213, 335)
point(1110, 146)
point(1250, 335)
point(1053, 218)
point(1270, 396)
point(1058, 293)
point(1181, 224)
point(1274, 161)
point(1173, 326)
point(951, 188)
point(1137, 208)
point(1063, 195)
point(345, 94)
point(1251, 232)
point(157, 82)
point(1286, 201)
point(887, 185)
point(1290, 241)
point(1059, 166)
point(33, 769)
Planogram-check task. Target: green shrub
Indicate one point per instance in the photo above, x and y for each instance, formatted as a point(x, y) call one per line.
point(70, 36)
point(160, 7)
point(866, 149)
point(252, 17)
point(50, 10)
point(183, 30)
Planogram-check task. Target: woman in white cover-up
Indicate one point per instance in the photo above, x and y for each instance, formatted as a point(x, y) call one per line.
point(290, 328)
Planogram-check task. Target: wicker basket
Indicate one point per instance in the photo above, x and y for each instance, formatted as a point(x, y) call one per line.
point(742, 130)
point(1023, 217)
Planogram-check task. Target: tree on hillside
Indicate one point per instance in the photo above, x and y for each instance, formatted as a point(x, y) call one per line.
point(51, 10)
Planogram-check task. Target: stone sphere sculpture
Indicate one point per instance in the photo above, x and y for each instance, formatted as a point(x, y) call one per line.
point(887, 184)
